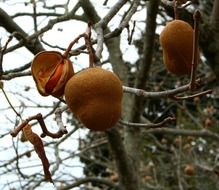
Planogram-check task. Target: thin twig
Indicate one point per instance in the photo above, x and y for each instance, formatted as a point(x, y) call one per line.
point(176, 13)
point(191, 96)
point(166, 93)
point(148, 125)
point(130, 36)
point(34, 15)
point(9, 102)
point(39, 118)
point(171, 3)
point(87, 37)
point(99, 27)
point(50, 24)
point(184, 132)
point(88, 43)
point(66, 53)
point(2, 54)
point(195, 52)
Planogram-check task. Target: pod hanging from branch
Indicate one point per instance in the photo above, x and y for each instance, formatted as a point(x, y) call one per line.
point(51, 71)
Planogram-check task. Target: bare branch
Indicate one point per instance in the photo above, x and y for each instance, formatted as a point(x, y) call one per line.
point(39, 118)
point(10, 76)
point(90, 179)
point(184, 132)
point(148, 125)
point(195, 50)
point(58, 119)
point(100, 26)
point(29, 39)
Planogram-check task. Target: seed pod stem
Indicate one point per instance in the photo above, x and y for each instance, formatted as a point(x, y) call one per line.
point(195, 53)
point(87, 38)
point(175, 6)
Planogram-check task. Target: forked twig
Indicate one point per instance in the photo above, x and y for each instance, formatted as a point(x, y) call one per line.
point(46, 132)
point(191, 96)
point(87, 37)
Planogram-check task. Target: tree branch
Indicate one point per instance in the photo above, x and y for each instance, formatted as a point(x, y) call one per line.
point(172, 131)
point(31, 42)
point(12, 27)
point(101, 25)
point(90, 179)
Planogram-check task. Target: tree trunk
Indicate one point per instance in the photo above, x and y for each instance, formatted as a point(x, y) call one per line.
point(133, 138)
point(209, 40)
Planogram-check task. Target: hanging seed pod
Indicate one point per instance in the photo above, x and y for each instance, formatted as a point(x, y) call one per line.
point(176, 40)
point(51, 71)
point(189, 170)
point(94, 95)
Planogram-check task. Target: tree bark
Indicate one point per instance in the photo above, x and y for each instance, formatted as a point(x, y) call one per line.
point(133, 138)
point(209, 39)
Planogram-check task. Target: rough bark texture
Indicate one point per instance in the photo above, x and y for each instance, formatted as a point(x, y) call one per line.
point(209, 40)
point(128, 179)
point(133, 140)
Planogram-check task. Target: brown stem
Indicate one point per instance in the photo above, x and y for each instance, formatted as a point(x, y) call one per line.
point(191, 96)
point(195, 52)
point(148, 125)
point(87, 38)
point(2, 51)
point(88, 43)
point(66, 53)
point(39, 118)
point(175, 6)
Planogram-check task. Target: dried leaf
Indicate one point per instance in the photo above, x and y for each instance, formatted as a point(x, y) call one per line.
point(39, 148)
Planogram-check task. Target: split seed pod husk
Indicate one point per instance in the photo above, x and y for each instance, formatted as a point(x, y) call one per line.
point(176, 40)
point(51, 71)
point(94, 95)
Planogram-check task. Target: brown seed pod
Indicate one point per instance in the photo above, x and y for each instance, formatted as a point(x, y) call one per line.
point(51, 71)
point(94, 95)
point(176, 40)
point(189, 170)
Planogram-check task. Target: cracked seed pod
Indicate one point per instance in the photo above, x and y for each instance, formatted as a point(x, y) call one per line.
point(94, 95)
point(176, 40)
point(51, 71)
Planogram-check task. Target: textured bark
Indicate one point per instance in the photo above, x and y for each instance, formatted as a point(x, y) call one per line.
point(209, 40)
point(215, 17)
point(146, 61)
point(128, 179)
point(133, 136)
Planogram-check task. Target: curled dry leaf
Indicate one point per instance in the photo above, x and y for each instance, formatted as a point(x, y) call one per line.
point(51, 71)
point(39, 148)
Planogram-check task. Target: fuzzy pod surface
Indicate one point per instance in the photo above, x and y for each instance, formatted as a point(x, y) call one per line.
point(176, 40)
point(94, 95)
